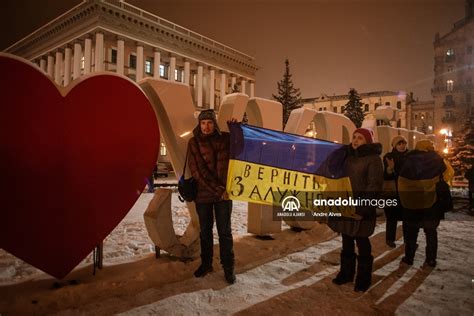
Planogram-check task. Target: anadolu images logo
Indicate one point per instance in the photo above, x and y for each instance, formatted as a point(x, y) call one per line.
point(290, 204)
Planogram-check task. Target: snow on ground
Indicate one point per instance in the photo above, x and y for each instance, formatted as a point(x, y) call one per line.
point(271, 284)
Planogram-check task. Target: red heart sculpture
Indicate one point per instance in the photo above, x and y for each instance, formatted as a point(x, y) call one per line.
point(72, 166)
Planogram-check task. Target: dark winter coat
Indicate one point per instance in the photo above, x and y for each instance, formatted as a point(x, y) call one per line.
point(399, 159)
point(208, 162)
point(365, 170)
point(422, 165)
point(393, 212)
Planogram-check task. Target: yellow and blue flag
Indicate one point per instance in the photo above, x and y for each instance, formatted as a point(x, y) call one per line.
point(266, 166)
point(418, 177)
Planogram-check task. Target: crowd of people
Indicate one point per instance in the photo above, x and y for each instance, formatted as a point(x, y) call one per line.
point(399, 172)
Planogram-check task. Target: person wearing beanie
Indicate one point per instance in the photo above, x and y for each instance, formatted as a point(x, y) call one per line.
point(365, 171)
point(208, 161)
point(417, 180)
point(393, 162)
point(424, 145)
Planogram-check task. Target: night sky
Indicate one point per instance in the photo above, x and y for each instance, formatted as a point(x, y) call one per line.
point(332, 45)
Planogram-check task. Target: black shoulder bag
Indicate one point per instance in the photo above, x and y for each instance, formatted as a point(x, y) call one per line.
point(187, 188)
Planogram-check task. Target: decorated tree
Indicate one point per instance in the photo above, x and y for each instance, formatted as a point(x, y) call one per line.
point(288, 96)
point(463, 153)
point(353, 109)
point(423, 126)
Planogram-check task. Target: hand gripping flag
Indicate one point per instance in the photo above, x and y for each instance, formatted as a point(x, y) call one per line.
point(266, 166)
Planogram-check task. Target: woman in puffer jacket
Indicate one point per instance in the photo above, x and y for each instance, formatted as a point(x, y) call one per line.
point(364, 167)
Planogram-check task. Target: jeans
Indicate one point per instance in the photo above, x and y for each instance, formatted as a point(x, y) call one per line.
point(222, 211)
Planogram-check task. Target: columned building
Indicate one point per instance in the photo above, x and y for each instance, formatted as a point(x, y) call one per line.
point(453, 87)
point(112, 35)
point(370, 101)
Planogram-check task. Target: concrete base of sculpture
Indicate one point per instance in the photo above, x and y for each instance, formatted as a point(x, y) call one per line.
point(260, 220)
point(159, 224)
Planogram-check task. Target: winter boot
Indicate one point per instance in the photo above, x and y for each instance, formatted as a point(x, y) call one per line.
point(203, 270)
point(410, 250)
point(229, 274)
point(364, 273)
point(347, 269)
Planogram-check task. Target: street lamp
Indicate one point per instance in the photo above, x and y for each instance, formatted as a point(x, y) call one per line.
point(447, 134)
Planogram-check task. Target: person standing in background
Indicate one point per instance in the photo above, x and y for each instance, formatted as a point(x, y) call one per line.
point(393, 162)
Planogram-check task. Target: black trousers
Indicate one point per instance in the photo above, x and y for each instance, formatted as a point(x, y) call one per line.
point(392, 216)
point(223, 212)
point(363, 244)
point(411, 227)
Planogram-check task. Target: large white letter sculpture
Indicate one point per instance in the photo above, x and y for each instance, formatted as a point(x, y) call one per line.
point(174, 107)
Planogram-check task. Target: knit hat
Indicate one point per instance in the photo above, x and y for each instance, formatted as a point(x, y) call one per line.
point(367, 133)
point(424, 145)
point(398, 139)
point(207, 115)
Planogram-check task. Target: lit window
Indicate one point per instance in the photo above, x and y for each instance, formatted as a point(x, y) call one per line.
point(82, 62)
point(449, 55)
point(162, 149)
point(449, 85)
point(430, 127)
point(148, 66)
point(176, 74)
point(162, 71)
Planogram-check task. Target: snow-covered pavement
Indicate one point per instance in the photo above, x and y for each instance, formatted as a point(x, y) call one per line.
point(272, 276)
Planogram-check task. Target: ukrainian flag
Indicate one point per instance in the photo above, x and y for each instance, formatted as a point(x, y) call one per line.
point(418, 178)
point(266, 166)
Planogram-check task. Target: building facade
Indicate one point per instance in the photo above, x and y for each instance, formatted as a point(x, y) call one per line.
point(112, 35)
point(453, 86)
point(421, 115)
point(370, 101)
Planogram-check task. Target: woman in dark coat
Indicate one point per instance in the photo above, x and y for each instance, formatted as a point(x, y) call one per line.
point(365, 170)
point(393, 162)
